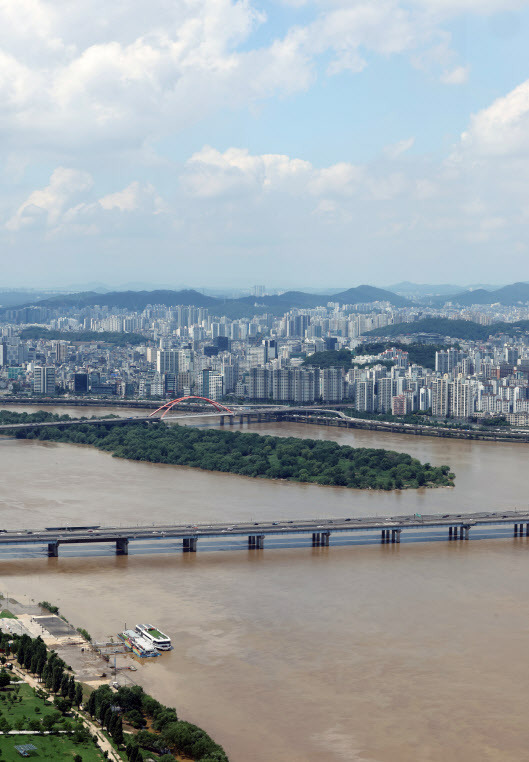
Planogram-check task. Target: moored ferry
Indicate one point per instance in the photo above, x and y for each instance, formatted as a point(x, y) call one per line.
point(138, 644)
point(158, 639)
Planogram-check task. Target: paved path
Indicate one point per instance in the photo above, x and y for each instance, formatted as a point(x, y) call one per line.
point(91, 726)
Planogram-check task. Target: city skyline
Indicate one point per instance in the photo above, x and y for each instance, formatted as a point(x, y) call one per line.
point(246, 142)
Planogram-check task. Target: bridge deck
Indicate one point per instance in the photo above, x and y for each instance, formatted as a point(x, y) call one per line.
point(222, 531)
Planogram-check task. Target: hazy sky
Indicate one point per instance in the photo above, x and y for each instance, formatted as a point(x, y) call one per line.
point(282, 142)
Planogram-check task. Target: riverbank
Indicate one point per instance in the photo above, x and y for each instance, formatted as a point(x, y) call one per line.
point(390, 427)
point(37, 655)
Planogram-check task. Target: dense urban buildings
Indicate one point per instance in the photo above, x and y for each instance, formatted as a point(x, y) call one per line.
point(167, 351)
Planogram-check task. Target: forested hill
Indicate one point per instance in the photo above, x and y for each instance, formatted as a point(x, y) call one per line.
point(268, 457)
point(105, 337)
point(456, 329)
point(418, 354)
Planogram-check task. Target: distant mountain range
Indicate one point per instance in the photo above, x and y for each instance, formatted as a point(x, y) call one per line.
point(426, 290)
point(507, 295)
point(241, 307)
point(12, 298)
point(277, 304)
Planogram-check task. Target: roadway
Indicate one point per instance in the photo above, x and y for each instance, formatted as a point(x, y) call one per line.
point(103, 534)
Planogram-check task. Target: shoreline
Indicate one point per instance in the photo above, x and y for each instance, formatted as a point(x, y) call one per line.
point(389, 427)
point(112, 669)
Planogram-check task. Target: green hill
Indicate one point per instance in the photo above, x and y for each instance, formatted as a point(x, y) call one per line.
point(455, 329)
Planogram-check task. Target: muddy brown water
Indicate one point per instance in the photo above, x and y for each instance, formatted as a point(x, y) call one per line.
point(367, 653)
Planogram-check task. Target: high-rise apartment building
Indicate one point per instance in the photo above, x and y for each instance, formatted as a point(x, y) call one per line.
point(440, 395)
point(332, 384)
point(44, 379)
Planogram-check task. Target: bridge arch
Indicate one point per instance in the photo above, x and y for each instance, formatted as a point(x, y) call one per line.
point(169, 405)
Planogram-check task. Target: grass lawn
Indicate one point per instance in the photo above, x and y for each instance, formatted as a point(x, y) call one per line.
point(25, 708)
point(5, 614)
point(48, 747)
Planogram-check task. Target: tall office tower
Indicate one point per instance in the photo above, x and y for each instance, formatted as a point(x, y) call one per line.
point(167, 361)
point(61, 348)
point(212, 384)
point(44, 380)
point(230, 373)
point(80, 383)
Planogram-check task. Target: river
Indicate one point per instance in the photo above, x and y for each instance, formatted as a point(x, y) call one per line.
point(365, 654)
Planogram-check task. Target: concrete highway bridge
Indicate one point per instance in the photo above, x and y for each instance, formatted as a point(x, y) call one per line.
point(313, 414)
point(238, 414)
point(319, 531)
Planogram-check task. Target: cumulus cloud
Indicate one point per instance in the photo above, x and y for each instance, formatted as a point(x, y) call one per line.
point(134, 197)
point(45, 206)
point(210, 173)
point(65, 205)
point(121, 74)
point(502, 128)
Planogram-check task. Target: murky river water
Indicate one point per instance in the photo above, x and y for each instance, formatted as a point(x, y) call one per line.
point(370, 653)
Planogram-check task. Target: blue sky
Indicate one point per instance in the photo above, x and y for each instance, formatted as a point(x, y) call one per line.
point(291, 143)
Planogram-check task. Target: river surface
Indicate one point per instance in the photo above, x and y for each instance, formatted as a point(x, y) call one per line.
point(362, 653)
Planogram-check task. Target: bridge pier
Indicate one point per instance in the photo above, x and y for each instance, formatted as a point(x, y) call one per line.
point(395, 535)
point(222, 420)
point(467, 531)
point(325, 539)
point(53, 550)
point(450, 532)
point(241, 419)
point(316, 539)
point(189, 545)
point(122, 546)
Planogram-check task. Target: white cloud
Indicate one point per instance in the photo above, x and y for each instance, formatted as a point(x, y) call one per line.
point(45, 207)
point(133, 198)
point(65, 206)
point(210, 173)
point(457, 76)
point(397, 149)
point(502, 128)
point(120, 74)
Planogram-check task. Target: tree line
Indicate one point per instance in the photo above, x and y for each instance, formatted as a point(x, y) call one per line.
point(271, 457)
point(106, 337)
point(54, 673)
point(171, 735)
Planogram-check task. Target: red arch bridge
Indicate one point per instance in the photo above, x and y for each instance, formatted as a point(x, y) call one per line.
point(170, 405)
